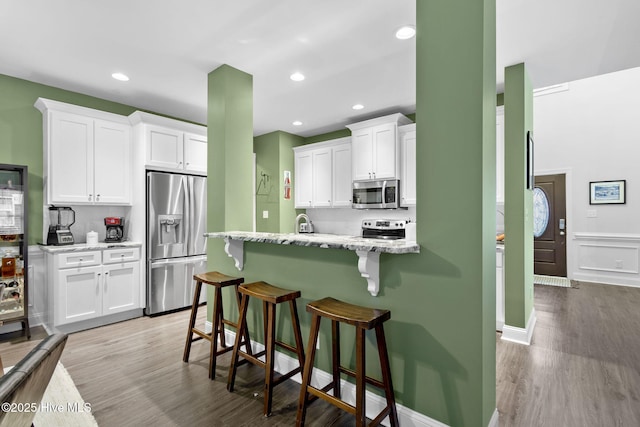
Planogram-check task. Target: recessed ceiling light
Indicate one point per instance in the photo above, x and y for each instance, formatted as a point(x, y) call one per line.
point(406, 32)
point(297, 77)
point(297, 123)
point(358, 107)
point(120, 76)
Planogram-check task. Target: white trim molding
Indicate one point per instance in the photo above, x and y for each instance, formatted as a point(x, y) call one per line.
point(609, 258)
point(520, 335)
point(495, 418)
point(375, 403)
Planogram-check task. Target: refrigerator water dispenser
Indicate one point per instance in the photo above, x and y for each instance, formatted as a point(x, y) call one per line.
point(169, 226)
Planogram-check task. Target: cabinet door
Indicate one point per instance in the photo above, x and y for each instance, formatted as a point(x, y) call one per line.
point(112, 170)
point(164, 147)
point(195, 153)
point(385, 151)
point(342, 175)
point(322, 183)
point(70, 154)
point(78, 294)
point(303, 183)
point(408, 167)
point(121, 287)
point(362, 154)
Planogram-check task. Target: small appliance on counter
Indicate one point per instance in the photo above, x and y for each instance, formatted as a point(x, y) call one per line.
point(115, 229)
point(61, 218)
point(389, 229)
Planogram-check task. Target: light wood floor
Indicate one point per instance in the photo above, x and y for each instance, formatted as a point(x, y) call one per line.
point(582, 369)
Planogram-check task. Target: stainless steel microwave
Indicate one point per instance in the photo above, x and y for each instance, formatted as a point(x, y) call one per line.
point(376, 194)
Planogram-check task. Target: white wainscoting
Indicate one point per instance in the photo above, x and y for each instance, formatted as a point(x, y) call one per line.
point(607, 258)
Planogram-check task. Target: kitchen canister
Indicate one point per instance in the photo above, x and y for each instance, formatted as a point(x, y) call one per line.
point(92, 238)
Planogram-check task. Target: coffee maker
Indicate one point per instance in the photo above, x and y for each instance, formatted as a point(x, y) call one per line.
point(115, 228)
point(61, 218)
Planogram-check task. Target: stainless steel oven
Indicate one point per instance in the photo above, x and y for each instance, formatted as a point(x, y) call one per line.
point(376, 194)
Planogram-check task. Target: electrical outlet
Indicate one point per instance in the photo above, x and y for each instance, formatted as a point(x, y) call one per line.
point(265, 214)
point(592, 213)
point(618, 263)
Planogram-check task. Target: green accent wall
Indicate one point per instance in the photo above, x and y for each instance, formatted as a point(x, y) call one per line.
point(441, 336)
point(274, 155)
point(21, 133)
point(518, 206)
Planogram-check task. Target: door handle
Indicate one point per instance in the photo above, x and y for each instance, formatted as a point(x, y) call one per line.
point(561, 226)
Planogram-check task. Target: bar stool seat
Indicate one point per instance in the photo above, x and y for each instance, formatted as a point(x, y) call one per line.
point(364, 319)
point(270, 296)
point(218, 281)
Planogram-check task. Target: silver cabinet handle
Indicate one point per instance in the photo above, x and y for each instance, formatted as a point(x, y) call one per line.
point(97, 197)
point(90, 196)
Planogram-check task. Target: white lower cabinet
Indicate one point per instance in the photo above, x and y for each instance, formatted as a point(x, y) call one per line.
point(499, 289)
point(89, 285)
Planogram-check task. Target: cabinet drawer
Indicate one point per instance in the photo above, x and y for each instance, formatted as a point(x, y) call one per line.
point(79, 259)
point(112, 256)
point(499, 259)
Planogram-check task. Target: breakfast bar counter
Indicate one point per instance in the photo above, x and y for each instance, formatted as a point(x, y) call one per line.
point(368, 250)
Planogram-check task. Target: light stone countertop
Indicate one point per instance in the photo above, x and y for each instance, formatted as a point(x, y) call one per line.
point(81, 247)
point(332, 241)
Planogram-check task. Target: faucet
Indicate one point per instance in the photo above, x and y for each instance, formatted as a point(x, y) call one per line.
point(298, 218)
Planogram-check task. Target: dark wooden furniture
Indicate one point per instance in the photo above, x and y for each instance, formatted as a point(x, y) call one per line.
point(218, 281)
point(270, 296)
point(363, 319)
point(27, 381)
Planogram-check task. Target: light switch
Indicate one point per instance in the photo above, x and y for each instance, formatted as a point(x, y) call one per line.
point(265, 214)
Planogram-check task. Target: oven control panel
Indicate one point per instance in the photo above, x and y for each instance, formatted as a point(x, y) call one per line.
point(384, 224)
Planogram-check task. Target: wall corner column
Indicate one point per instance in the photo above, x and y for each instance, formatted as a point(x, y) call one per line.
point(518, 207)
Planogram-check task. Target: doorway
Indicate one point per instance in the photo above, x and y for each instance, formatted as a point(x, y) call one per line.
point(549, 225)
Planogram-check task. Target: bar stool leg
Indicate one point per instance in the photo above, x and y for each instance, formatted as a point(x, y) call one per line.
point(296, 332)
point(215, 331)
point(192, 321)
point(269, 356)
point(335, 357)
point(361, 416)
point(242, 330)
point(308, 367)
point(386, 375)
point(247, 341)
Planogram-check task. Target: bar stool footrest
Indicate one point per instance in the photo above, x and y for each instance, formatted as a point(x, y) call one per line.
point(368, 380)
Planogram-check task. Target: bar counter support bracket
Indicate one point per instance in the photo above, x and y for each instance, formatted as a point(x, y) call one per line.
point(369, 267)
point(235, 249)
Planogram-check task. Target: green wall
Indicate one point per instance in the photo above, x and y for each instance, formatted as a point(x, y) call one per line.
point(21, 133)
point(518, 207)
point(274, 155)
point(441, 335)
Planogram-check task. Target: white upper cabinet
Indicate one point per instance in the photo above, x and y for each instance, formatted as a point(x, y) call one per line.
point(87, 155)
point(322, 175)
point(342, 174)
point(375, 148)
point(408, 165)
point(303, 179)
point(171, 145)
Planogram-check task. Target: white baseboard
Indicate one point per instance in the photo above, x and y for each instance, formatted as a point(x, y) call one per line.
point(520, 335)
point(375, 404)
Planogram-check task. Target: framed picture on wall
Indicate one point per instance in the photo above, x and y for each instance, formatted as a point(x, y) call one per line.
point(529, 167)
point(607, 192)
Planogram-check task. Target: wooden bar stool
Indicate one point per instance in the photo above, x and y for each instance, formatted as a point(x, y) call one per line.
point(363, 319)
point(218, 281)
point(270, 296)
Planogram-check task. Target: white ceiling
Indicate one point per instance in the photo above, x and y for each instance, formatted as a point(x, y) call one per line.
point(346, 48)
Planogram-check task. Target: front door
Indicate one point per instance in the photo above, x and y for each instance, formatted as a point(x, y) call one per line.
point(549, 226)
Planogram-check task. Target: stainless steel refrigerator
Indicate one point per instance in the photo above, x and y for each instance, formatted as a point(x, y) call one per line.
point(176, 246)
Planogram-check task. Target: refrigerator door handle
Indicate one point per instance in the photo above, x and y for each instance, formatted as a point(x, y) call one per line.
point(188, 212)
point(182, 260)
